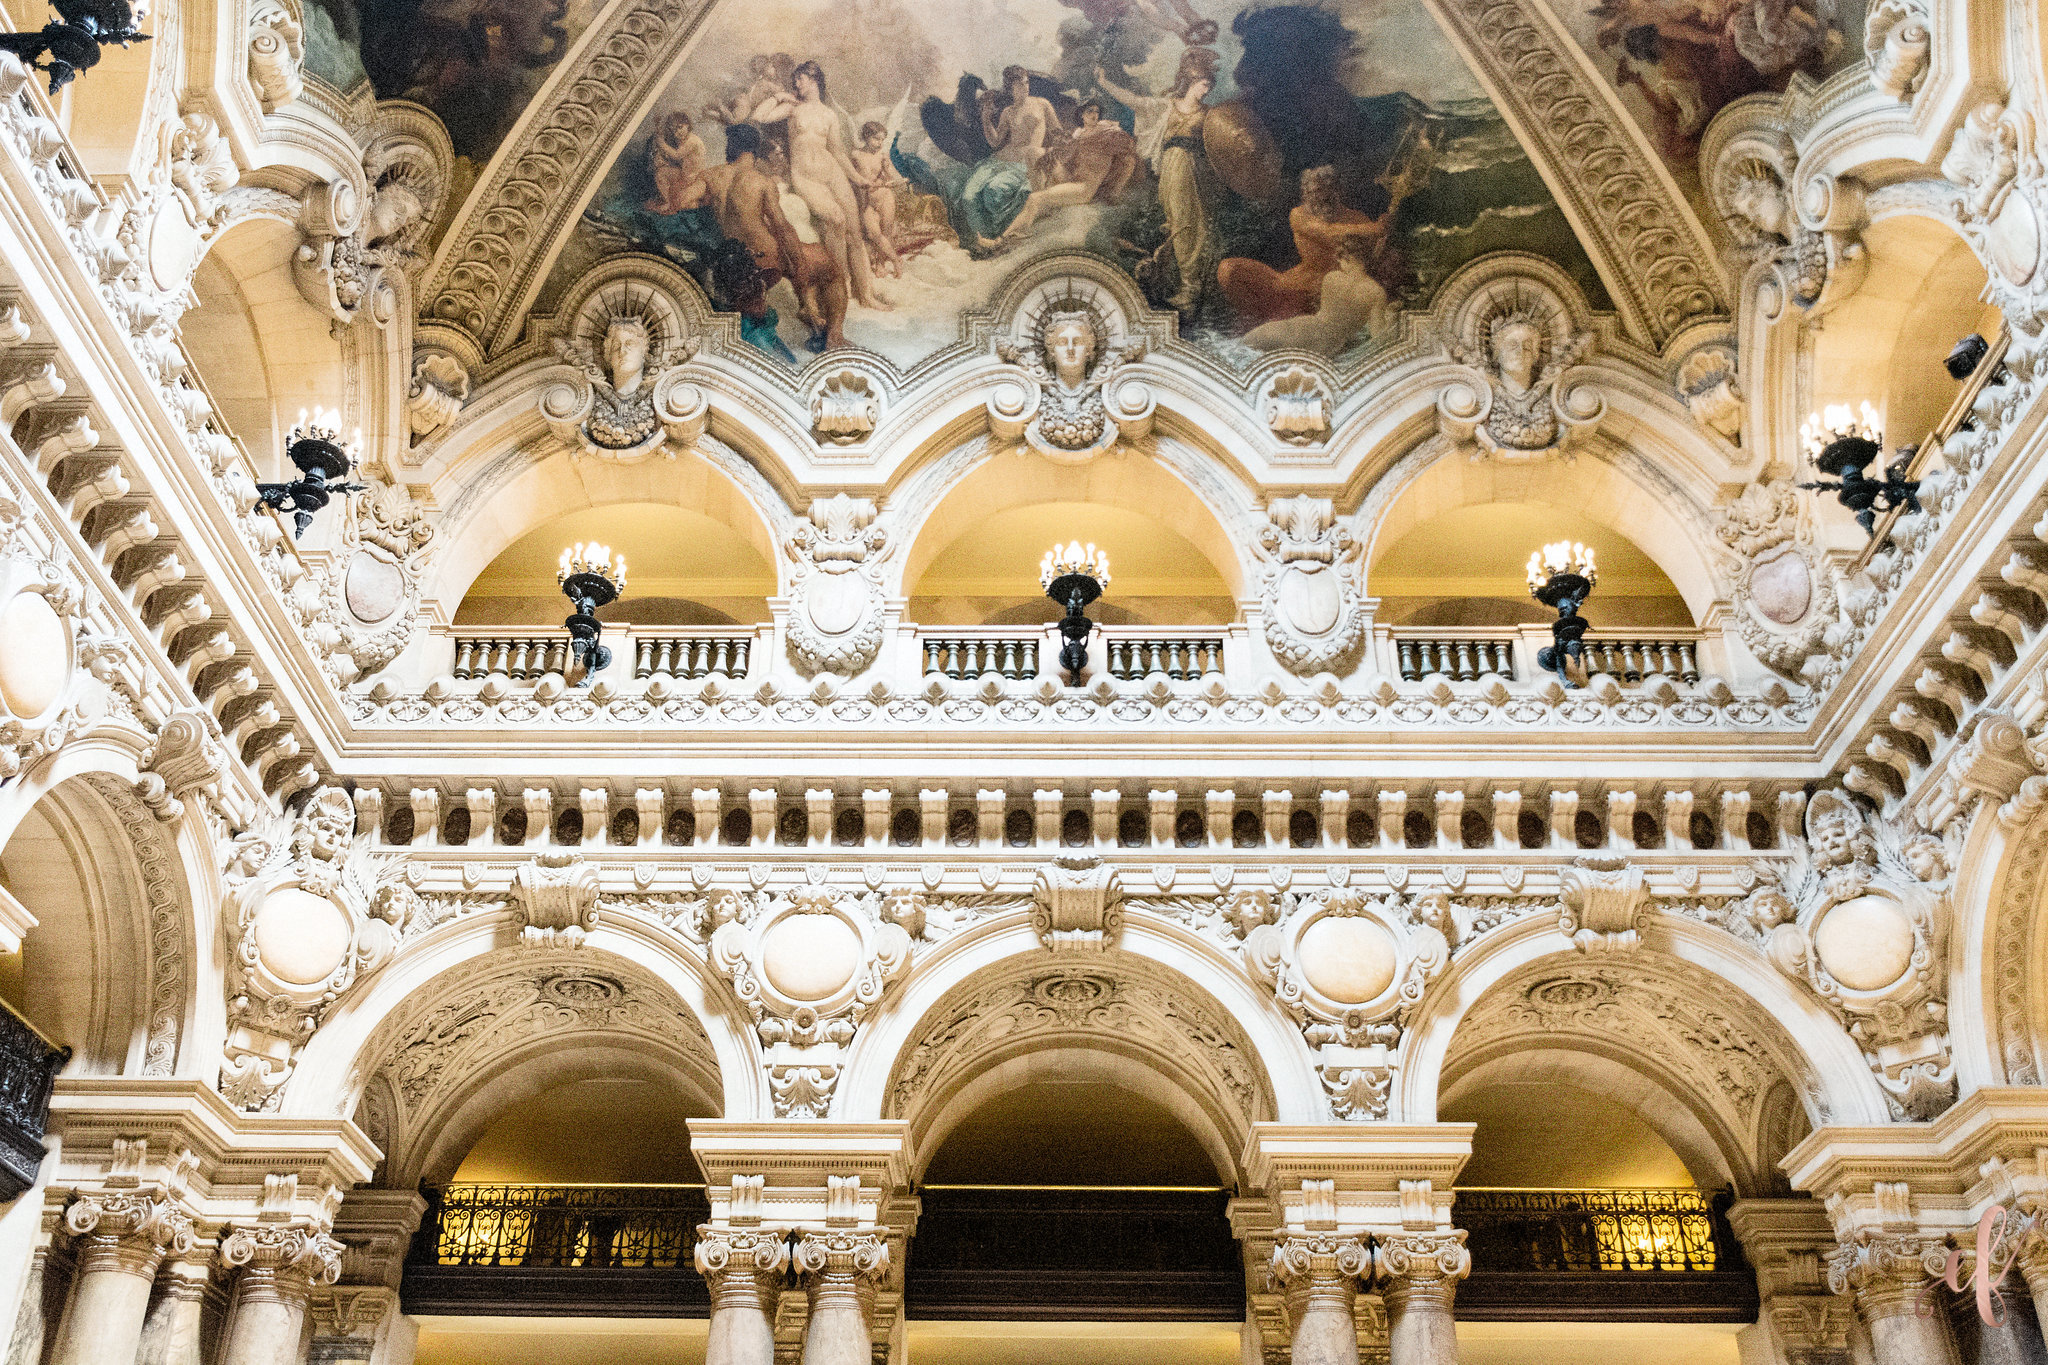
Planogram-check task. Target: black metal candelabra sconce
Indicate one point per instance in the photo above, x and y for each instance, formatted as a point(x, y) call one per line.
point(1562, 576)
point(1844, 447)
point(323, 461)
point(590, 578)
point(73, 41)
point(1074, 577)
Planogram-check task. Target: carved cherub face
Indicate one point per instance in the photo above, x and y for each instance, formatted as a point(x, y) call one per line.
point(1834, 832)
point(625, 352)
point(1517, 351)
point(1070, 346)
point(1760, 200)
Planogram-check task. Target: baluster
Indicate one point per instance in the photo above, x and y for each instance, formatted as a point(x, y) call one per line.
point(1688, 661)
point(1465, 672)
point(719, 656)
point(742, 648)
point(666, 650)
point(931, 656)
point(463, 650)
point(1405, 650)
point(1009, 664)
point(1030, 668)
point(521, 648)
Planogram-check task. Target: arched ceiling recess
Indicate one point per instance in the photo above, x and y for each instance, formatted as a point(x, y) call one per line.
point(1125, 1022)
point(489, 1034)
point(1705, 1051)
point(1453, 127)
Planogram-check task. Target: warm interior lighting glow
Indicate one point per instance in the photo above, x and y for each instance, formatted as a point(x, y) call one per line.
point(591, 557)
point(1834, 422)
point(1563, 556)
point(1074, 558)
point(324, 424)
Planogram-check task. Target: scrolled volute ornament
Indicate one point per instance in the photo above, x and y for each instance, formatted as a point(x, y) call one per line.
point(1413, 1258)
point(1314, 612)
point(310, 1255)
point(836, 603)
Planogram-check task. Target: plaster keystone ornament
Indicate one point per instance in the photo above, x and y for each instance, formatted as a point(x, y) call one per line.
point(808, 966)
point(1296, 408)
point(1992, 156)
point(1786, 608)
point(621, 394)
point(1896, 39)
point(1853, 920)
point(1070, 403)
point(1349, 969)
point(1078, 904)
point(1602, 904)
point(1314, 612)
point(845, 408)
point(1814, 250)
point(1518, 396)
point(440, 386)
point(556, 894)
point(372, 594)
point(186, 760)
point(836, 603)
point(309, 913)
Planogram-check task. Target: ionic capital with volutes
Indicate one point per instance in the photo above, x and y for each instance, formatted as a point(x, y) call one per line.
point(1417, 1266)
point(743, 1267)
point(127, 1231)
point(282, 1262)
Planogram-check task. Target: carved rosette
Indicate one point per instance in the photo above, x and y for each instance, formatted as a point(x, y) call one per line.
point(1784, 597)
point(1349, 969)
point(1078, 904)
point(1602, 904)
point(836, 602)
point(744, 1268)
point(1314, 612)
point(1853, 922)
point(128, 1231)
point(556, 894)
point(308, 914)
point(280, 1262)
point(808, 967)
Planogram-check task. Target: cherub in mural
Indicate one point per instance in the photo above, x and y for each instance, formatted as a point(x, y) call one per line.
point(877, 182)
point(676, 160)
point(1688, 58)
point(1321, 225)
point(1351, 301)
point(1169, 135)
point(768, 76)
point(822, 172)
point(1092, 164)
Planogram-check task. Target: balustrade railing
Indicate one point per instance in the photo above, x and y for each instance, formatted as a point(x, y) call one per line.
point(970, 656)
point(520, 657)
point(1632, 660)
point(1462, 658)
point(1180, 657)
point(560, 1226)
point(29, 1064)
point(692, 654)
point(1466, 655)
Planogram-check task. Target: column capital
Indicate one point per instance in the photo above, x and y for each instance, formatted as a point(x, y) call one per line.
point(742, 1266)
point(1316, 1256)
point(1886, 1270)
point(1419, 1265)
point(842, 1252)
point(127, 1230)
point(282, 1261)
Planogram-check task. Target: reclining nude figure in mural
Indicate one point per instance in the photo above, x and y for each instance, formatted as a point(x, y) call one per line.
point(823, 173)
point(1092, 163)
point(1321, 225)
point(1352, 300)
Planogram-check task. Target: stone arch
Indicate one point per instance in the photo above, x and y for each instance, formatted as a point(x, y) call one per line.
point(1649, 511)
point(532, 485)
point(1157, 1015)
point(668, 1009)
point(958, 491)
point(1998, 979)
point(1716, 996)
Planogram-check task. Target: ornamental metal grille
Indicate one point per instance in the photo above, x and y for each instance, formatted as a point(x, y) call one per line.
point(599, 1226)
point(1591, 1230)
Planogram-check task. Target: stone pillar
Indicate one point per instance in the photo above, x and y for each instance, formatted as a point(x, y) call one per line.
point(1893, 1276)
point(1320, 1272)
point(744, 1270)
point(1418, 1276)
point(840, 1270)
point(279, 1266)
point(170, 1335)
point(122, 1239)
point(1801, 1321)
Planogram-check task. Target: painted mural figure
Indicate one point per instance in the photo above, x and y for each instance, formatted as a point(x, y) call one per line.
point(822, 173)
point(1169, 134)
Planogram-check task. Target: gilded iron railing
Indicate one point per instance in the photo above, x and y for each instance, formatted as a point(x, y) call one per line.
point(613, 1227)
point(1591, 1230)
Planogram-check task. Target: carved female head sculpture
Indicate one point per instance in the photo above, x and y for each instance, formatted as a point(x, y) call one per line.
point(1517, 351)
point(626, 343)
point(1070, 347)
point(1757, 198)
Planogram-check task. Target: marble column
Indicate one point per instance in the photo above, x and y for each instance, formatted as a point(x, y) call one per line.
point(121, 1239)
point(1893, 1278)
point(170, 1335)
point(1418, 1275)
point(278, 1266)
point(744, 1270)
point(1320, 1272)
point(840, 1270)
